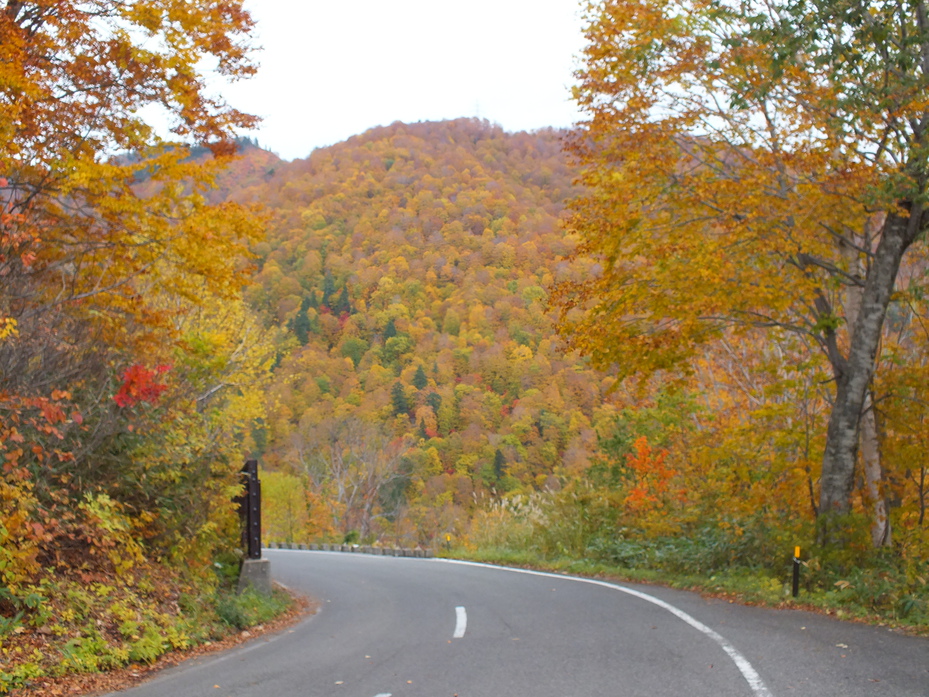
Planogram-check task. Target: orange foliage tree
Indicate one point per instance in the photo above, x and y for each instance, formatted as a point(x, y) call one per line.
point(107, 243)
point(747, 168)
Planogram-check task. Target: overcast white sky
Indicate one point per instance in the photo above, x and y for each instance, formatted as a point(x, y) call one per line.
point(333, 68)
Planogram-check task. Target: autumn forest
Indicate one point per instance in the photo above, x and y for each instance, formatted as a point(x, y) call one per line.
point(419, 377)
point(678, 340)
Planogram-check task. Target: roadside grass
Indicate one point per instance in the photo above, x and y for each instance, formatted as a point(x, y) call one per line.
point(746, 558)
point(89, 623)
point(250, 607)
point(883, 593)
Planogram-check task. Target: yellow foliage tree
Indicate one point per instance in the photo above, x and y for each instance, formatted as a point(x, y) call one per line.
point(745, 167)
point(107, 247)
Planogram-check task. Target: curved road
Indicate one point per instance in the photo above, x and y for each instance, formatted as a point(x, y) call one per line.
point(404, 627)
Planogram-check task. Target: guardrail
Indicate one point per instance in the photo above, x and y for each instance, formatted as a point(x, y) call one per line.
point(356, 549)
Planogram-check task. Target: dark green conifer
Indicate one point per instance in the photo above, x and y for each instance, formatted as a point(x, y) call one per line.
point(499, 464)
point(343, 305)
point(398, 400)
point(300, 324)
point(328, 289)
point(420, 381)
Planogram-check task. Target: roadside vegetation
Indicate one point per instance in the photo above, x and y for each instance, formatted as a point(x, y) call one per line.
point(89, 620)
point(131, 370)
point(582, 533)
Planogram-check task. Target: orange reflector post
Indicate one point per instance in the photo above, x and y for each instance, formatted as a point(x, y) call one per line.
point(796, 574)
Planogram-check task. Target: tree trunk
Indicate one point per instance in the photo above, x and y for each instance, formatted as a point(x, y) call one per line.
point(868, 433)
point(853, 376)
point(874, 476)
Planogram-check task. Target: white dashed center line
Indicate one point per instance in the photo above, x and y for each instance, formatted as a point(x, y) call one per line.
point(461, 622)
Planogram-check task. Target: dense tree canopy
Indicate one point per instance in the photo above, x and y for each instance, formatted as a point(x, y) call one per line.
point(752, 165)
point(408, 267)
point(121, 320)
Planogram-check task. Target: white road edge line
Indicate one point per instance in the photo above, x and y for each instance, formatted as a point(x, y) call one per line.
point(759, 689)
point(384, 694)
point(461, 622)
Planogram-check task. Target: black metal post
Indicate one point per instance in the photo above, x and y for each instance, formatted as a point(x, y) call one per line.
point(250, 510)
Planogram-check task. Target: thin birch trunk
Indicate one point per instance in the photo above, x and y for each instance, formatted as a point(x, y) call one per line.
point(874, 476)
point(853, 375)
point(867, 425)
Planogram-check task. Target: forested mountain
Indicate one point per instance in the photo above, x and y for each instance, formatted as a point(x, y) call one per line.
point(408, 270)
point(421, 388)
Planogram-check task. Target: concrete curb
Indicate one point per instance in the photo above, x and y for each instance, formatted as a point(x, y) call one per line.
point(356, 549)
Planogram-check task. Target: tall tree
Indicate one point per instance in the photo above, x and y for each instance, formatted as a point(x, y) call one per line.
point(344, 303)
point(499, 464)
point(752, 164)
point(300, 324)
point(107, 245)
point(328, 288)
point(398, 399)
point(354, 463)
point(85, 236)
point(420, 381)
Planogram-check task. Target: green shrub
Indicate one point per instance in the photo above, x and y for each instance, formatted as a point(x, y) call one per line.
point(250, 607)
point(149, 646)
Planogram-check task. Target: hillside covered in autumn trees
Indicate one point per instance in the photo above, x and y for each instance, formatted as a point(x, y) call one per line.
point(407, 272)
point(422, 389)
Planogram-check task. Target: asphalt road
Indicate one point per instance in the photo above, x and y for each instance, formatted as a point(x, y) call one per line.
point(404, 627)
